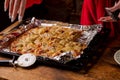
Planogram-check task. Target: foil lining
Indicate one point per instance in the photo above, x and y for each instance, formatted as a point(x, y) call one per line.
point(88, 33)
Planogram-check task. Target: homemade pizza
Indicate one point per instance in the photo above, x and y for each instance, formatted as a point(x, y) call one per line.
point(49, 41)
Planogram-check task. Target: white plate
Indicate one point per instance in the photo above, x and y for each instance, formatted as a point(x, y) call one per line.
point(117, 56)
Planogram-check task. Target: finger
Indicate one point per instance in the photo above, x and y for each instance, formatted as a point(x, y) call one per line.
point(101, 19)
point(111, 9)
point(6, 4)
point(22, 9)
point(11, 3)
point(15, 10)
point(104, 19)
point(107, 19)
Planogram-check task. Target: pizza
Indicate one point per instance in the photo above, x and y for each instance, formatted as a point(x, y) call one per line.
point(49, 41)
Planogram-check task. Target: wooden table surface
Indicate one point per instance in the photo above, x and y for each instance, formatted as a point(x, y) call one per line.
point(105, 69)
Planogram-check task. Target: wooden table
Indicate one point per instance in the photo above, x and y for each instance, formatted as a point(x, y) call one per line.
point(105, 69)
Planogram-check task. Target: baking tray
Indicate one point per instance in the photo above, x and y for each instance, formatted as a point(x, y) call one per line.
point(89, 57)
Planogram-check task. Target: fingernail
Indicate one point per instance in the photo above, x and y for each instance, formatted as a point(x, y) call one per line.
point(106, 8)
point(5, 9)
point(12, 18)
point(9, 16)
point(99, 19)
point(20, 18)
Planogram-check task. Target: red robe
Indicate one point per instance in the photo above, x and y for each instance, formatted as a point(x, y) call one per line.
point(92, 10)
point(31, 2)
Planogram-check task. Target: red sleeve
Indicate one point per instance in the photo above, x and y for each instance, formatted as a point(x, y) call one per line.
point(32, 2)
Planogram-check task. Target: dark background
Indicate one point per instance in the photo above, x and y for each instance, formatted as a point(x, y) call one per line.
point(60, 10)
point(4, 18)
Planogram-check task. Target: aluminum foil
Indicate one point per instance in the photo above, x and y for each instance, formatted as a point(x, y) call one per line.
point(88, 33)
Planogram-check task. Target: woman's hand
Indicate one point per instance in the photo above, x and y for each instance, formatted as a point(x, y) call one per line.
point(115, 7)
point(107, 19)
point(16, 8)
point(112, 13)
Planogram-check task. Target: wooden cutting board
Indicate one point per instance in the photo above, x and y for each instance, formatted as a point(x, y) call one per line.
point(105, 69)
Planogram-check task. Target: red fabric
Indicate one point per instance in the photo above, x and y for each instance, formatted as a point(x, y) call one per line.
point(92, 10)
point(32, 2)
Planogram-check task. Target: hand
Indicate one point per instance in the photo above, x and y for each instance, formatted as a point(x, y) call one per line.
point(113, 12)
point(16, 8)
point(115, 7)
point(107, 19)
